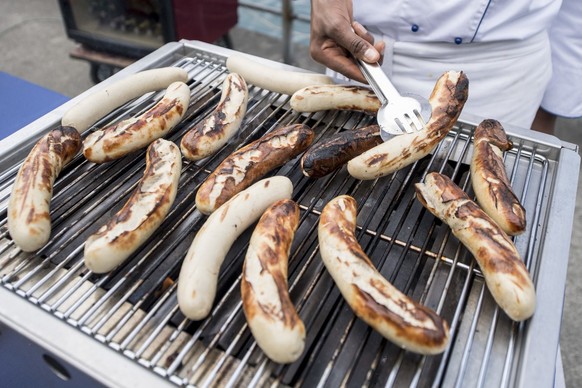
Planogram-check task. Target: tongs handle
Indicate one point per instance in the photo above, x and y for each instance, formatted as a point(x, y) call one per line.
point(379, 82)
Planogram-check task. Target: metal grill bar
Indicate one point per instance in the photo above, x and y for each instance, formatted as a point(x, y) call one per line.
point(133, 311)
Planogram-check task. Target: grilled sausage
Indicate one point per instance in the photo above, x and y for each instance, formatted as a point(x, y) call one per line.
point(142, 214)
point(199, 272)
point(29, 220)
point(447, 100)
point(250, 163)
point(95, 106)
point(208, 136)
point(270, 313)
point(341, 97)
point(275, 80)
point(372, 298)
point(489, 179)
point(505, 274)
point(330, 154)
point(138, 132)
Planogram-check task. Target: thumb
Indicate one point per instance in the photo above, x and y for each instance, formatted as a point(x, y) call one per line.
point(359, 41)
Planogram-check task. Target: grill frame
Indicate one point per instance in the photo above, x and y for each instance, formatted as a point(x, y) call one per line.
point(538, 345)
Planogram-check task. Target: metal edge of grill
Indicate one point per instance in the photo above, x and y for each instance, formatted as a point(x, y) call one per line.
point(121, 310)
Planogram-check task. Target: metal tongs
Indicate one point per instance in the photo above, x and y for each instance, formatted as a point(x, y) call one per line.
point(398, 114)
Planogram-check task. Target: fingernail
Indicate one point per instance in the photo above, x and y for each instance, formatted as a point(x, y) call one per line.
point(370, 55)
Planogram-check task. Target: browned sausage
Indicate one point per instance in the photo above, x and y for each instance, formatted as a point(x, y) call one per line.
point(270, 313)
point(447, 100)
point(373, 299)
point(250, 163)
point(505, 274)
point(29, 220)
point(490, 182)
point(207, 137)
point(143, 212)
point(126, 136)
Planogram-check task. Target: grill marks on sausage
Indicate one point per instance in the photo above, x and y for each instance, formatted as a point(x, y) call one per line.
point(369, 294)
point(248, 164)
point(500, 254)
point(499, 260)
point(41, 168)
point(127, 130)
point(270, 249)
point(490, 180)
point(378, 312)
point(47, 158)
point(212, 129)
point(149, 201)
point(493, 133)
point(333, 152)
point(493, 172)
point(447, 100)
point(129, 135)
point(29, 204)
point(212, 133)
point(151, 189)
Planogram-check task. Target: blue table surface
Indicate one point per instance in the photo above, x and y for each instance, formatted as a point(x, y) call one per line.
point(22, 102)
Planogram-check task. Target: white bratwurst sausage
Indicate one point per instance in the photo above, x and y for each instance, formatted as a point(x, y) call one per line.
point(269, 78)
point(372, 298)
point(341, 97)
point(447, 100)
point(505, 274)
point(143, 212)
point(208, 136)
point(29, 220)
point(135, 133)
point(199, 272)
point(95, 106)
point(270, 313)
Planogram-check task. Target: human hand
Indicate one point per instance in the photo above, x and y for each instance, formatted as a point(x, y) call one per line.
point(336, 39)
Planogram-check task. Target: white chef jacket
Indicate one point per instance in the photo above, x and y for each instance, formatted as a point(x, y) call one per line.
point(436, 31)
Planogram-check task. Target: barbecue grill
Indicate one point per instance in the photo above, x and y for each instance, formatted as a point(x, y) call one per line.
point(124, 328)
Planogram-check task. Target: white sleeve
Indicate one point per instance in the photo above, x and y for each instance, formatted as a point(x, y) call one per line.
point(563, 95)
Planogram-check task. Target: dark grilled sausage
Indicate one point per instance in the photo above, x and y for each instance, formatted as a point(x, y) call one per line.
point(208, 136)
point(490, 182)
point(250, 163)
point(372, 298)
point(29, 220)
point(505, 274)
point(269, 311)
point(136, 133)
point(333, 152)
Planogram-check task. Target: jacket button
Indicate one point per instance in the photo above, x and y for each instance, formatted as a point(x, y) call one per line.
point(458, 40)
point(414, 28)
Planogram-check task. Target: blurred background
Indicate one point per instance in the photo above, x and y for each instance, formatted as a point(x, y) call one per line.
point(63, 49)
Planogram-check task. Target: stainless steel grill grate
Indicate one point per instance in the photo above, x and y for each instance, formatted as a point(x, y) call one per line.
point(134, 311)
